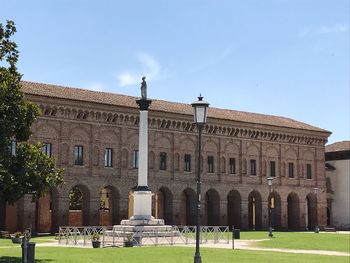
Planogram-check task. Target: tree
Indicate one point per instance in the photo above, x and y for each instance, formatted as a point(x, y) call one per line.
point(24, 168)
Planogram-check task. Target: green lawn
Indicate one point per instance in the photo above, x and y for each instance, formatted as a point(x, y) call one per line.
point(324, 241)
point(159, 254)
point(300, 240)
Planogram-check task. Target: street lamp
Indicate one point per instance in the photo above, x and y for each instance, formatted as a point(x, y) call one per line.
point(200, 118)
point(272, 201)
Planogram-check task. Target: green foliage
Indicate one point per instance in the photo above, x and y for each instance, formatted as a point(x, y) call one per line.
point(29, 171)
point(75, 198)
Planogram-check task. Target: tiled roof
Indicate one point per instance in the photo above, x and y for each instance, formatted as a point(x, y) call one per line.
point(55, 91)
point(338, 146)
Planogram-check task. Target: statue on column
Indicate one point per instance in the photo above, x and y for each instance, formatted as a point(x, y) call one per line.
point(144, 89)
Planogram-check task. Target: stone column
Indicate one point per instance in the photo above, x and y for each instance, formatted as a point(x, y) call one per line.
point(265, 214)
point(223, 212)
point(244, 216)
point(28, 213)
point(94, 212)
point(284, 214)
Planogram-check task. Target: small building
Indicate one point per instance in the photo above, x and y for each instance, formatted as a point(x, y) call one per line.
point(338, 184)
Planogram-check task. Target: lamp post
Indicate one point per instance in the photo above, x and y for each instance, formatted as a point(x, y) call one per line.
point(317, 229)
point(272, 201)
point(200, 117)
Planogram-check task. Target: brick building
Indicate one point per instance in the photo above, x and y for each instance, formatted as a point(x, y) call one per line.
point(94, 137)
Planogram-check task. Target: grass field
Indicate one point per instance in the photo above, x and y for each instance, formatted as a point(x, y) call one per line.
point(337, 242)
point(159, 254)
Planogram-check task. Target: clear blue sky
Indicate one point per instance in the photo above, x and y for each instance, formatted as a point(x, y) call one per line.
point(279, 57)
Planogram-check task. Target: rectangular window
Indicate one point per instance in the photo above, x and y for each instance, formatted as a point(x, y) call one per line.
point(210, 164)
point(162, 161)
point(272, 168)
point(291, 170)
point(135, 159)
point(232, 166)
point(187, 162)
point(13, 147)
point(252, 167)
point(78, 155)
point(308, 171)
point(47, 149)
point(108, 157)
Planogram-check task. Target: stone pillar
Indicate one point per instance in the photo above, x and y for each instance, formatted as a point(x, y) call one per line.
point(94, 212)
point(223, 212)
point(178, 212)
point(28, 213)
point(303, 215)
point(244, 216)
point(284, 214)
point(265, 214)
point(63, 211)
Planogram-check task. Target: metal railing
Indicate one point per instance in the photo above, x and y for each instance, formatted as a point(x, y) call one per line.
point(174, 235)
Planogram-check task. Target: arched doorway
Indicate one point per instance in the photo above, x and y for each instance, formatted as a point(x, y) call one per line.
point(254, 210)
point(164, 205)
point(276, 211)
point(234, 209)
point(293, 211)
point(78, 206)
point(106, 207)
point(212, 208)
point(188, 211)
point(311, 211)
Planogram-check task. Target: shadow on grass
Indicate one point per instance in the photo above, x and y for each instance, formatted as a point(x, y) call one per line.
point(19, 260)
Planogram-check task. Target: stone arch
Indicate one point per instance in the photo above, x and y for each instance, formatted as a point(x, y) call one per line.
point(187, 143)
point(311, 211)
point(110, 136)
point(109, 206)
point(79, 133)
point(133, 140)
point(253, 150)
point(272, 152)
point(212, 207)
point(232, 148)
point(188, 210)
point(293, 208)
point(163, 141)
point(291, 153)
point(164, 205)
point(79, 197)
point(210, 146)
point(234, 209)
point(48, 131)
point(274, 202)
point(254, 210)
point(309, 155)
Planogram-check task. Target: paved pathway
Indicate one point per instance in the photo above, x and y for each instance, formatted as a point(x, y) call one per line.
point(252, 245)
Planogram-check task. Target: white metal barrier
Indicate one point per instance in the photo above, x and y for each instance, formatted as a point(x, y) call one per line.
point(175, 235)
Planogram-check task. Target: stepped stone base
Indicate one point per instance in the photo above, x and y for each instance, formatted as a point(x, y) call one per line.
point(150, 227)
point(142, 221)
